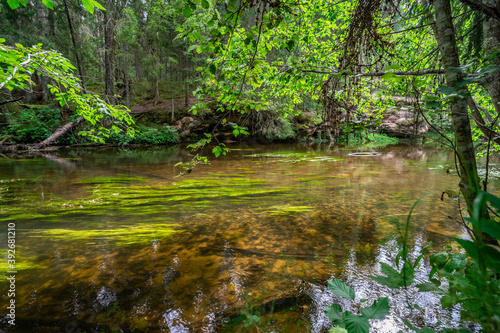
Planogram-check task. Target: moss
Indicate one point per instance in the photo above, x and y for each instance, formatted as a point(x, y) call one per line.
point(136, 234)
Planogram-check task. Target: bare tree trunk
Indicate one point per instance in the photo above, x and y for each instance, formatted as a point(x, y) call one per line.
point(469, 183)
point(108, 56)
point(156, 90)
point(491, 29)
point(73, 40)
point(52, 24)
point(58, 133)
point(137, 63)
point(173, 108)
point(126, 76)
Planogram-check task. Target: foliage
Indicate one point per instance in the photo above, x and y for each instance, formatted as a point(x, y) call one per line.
point(33, 125)
point(472, 277)
point(351, 322)
point(18, 63)
point(147, 135)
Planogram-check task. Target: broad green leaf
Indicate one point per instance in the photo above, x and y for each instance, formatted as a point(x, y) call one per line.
point(392, 280)
point(89, 6)
point(388, 76)
point(48, 3)
point(356, 324)
point(98, 5)
point(445, 90)
point(334, 313)
point(205, 4)
point(340, 289)
point(378, 310)
point(13, 4)
point(186, 12)
point(470, 247)
point(490, 227)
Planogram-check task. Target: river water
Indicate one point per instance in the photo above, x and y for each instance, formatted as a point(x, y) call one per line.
point(110, 241)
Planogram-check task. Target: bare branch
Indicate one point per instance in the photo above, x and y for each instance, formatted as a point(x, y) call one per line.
point(478, 5)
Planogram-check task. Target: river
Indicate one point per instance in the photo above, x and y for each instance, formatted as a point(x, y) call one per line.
point(108, 240)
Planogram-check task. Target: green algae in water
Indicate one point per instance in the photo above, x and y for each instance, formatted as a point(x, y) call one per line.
point(288, 210)
point(105, 180)
point(295, 157)
point(22, 263)
point(136, 234)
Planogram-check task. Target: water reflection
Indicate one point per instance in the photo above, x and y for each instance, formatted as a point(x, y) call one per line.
point(266, 226)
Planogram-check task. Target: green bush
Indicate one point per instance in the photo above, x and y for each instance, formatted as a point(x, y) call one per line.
point(33, 125)
point(147, 135)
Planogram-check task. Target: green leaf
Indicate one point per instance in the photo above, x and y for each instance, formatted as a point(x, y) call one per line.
point(205, 4)
point(334, 313)
point(48, 3)
point(389, 76)
point(490, 227)
point(470, 247)
point(13, 4)
point(212, 68)
point(231, 5)
point(98, 5)
point(427, 286)
point(89, 6)
point(392, 67)
point(393, 279)
point(356, 324)
point(340, 289)
point(187, 12)
point(378, 310)
point(445, 90)
point(337, 330)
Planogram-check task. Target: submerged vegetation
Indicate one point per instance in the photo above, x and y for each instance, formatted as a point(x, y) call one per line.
point(353, 76)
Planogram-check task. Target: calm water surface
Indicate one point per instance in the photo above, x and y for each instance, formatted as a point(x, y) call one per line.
point(109, 241)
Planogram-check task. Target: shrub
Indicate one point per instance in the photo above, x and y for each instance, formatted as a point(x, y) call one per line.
point(147, 135)
point(33, 125)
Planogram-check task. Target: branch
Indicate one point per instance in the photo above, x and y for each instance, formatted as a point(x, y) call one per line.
point(15, 70)
point(478, 5)
point(476, 115)
point(404, 73)
point(12, 100)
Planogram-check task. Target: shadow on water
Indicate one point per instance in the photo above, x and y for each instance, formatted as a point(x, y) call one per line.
point(110, 241)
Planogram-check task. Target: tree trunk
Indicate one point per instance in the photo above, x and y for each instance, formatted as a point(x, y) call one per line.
point(491, 28)
point(41, 18)
point(469, 183)
point(126, 76)
point(73, 40)
point(58, 133)
point(156, 90)
point(137, 63)
point(108, 56)
point(52, 24)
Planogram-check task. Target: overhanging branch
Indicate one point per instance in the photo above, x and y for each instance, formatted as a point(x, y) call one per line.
point(436, 71)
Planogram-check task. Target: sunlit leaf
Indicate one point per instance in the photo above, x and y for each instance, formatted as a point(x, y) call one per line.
point(89, 6)
point(48, 3)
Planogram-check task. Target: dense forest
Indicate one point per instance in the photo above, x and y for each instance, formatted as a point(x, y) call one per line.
point(85, 73)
